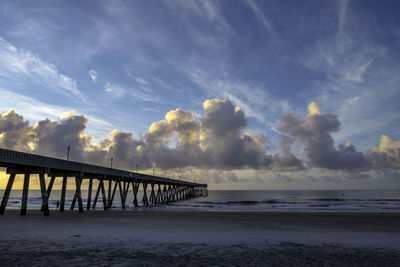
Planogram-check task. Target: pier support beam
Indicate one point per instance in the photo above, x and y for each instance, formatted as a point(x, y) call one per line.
point(145, 199)
point(110, 200)
point(25, 190)
point(75, 195)
point(158, 197)
point(100, 187)
point(103, 195)
point(49, 188)
point(45, 202)
point(78, 182)
point(109, 190)
point(152, 195)
point(135, 188)
point(96, 196)
point(126, 190)
point(165, 194)
point(63, 192)
point(7, 193)
point(121, 194)
point(89, 198)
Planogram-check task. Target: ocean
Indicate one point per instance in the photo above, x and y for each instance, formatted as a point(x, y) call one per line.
point(247, 200)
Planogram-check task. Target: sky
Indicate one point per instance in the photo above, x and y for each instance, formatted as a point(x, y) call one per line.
point(238, 94)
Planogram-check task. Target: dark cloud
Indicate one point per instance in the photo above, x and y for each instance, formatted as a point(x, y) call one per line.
point(286, 160)
point(15, 133)
point(223, 141)
point(52, 137)
point(314, 131)
point(386, 154)
point(282, 178)
point(231, 177)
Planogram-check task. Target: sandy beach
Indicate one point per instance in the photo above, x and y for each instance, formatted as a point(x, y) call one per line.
point(192, 238)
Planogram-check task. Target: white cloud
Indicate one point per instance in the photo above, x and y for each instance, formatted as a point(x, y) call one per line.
point(343, 4)
point(21, 66)
point(254, 100)
point(37, 29)
point(35, 110)
point(114, 90)
point(360, 77)
point(261, 17)
point(32, 109)
point(93, 75)
point(141, 81)
point(205, 9)
point(143, 93)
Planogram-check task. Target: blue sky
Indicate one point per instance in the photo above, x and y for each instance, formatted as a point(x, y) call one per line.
point(125, 64)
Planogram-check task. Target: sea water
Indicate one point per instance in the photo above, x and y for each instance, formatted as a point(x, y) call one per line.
point(243, 200)
point(299, 200)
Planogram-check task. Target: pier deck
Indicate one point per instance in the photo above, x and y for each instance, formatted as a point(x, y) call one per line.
point(162, 190)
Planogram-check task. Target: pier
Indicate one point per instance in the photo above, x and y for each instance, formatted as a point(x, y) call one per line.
point(156, 190)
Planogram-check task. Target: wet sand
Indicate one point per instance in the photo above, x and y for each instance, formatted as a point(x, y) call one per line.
point(164, 237)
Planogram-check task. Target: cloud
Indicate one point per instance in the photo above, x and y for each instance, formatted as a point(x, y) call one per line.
point(343, 5)
point(386, 154)
point(141, 81)
point(314, 131)
point(207, 10)
point(286, 160)
point(253, 99)
point(313, 108)
point(93, 75)
point(142, 93)
point(53, 137)
point(261, 17)
point(35, 110)
point(19, 66)
point(216, 141)
point(15, 133)
point(114, 90)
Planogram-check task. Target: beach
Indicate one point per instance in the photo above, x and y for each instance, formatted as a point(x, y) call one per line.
point(158, 236)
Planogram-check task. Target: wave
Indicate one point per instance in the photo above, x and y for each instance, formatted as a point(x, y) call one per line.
point(246, 202)
point(355, 199)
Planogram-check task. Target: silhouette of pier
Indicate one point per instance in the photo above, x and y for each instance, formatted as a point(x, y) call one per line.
point(161, 190)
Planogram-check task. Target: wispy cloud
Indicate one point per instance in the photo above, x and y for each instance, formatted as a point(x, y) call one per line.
point(93, 75)
point(206, 9)
point(141, 81)
point(343, 4)
point(253, 99)
point(141, 92)
point(355, 86)
point(195, 15)
point(35, 110)
point(115, 91)
point(37, 29)
point(261, 17)
point(22, 66)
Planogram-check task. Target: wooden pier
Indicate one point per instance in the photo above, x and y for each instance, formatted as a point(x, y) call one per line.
point(160, 190)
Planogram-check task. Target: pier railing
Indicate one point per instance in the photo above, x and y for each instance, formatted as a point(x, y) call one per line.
point(162, 190)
